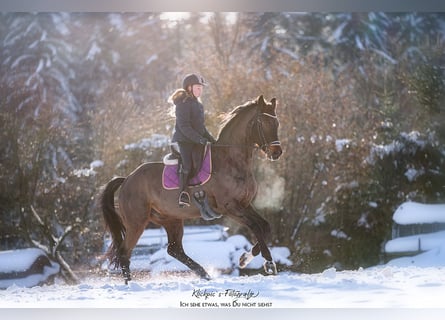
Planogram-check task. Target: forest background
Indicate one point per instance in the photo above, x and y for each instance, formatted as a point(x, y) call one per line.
point(83, 97)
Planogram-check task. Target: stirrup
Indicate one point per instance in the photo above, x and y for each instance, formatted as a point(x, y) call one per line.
point(184, 199)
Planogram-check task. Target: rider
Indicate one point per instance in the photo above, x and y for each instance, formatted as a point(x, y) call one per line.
point(190, 131)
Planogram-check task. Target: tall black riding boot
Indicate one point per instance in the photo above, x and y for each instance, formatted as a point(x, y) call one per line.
point(184, 197)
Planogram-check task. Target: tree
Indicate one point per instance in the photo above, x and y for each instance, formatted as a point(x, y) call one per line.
point(39, 114)
point(77, 89)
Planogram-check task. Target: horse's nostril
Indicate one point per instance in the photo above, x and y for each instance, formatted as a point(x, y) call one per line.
point(276, 153)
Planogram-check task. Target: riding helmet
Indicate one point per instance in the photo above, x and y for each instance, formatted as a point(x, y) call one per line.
point(192, 79)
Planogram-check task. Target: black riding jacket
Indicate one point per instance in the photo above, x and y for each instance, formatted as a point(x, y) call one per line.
point(190, 125)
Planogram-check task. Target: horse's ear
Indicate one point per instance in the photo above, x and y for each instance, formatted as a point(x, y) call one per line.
point(260, 100)
point(274, 102)
point(273, 105)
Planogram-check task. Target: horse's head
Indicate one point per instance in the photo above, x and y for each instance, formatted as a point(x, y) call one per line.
point(265, 128)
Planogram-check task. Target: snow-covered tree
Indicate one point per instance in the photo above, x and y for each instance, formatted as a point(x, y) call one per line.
point(77, 88)
point(39, 115)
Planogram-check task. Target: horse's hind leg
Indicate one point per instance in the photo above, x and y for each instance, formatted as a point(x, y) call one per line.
point(175, 232)
point(134, 228)
point(129, 243)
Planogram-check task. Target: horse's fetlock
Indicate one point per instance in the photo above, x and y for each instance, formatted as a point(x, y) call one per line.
point(126, 274)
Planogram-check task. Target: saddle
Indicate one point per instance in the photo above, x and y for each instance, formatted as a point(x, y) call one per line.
point(170, 176)
point(172, 158)
point(170, 179)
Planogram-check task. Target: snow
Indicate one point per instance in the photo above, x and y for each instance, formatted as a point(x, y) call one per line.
point(414, 212)
point(17, 261)
point(151, 59)
point(413, 283)
point(378, 287)
point(419, 242)
point(60, 20)
point(86, 172)
point(342, 143)
point(386, 56)
point(339, 234)
point(408, 143)
point(408, 282)
point(21, 260)
point(209, 245)
point(411, 174)
point(94, 50)
point(373, 204)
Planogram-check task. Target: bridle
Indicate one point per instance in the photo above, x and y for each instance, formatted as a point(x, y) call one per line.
point(264, 144)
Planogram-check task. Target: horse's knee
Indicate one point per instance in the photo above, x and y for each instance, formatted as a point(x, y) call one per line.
point(266, 229)
point(263, 227)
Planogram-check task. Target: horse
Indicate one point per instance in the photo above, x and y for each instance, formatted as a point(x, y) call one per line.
point(230, 191)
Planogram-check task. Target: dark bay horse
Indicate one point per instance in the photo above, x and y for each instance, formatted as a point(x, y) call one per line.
point(230, 191)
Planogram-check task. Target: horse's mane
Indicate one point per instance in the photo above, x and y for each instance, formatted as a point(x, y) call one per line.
point(227, 118)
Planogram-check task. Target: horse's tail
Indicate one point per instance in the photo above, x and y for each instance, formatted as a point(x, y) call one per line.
point(112, 220)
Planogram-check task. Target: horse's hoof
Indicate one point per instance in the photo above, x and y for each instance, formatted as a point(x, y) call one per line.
point(270, 267)
point(245, 259)
point(206, 276)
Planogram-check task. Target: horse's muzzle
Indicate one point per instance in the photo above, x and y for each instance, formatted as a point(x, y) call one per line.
point(274, 151)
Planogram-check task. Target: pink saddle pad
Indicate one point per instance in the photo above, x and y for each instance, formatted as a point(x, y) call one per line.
point(170, 177)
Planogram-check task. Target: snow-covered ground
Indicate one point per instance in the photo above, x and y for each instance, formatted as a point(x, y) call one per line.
point(406, 283)
point(208, 245)
point(417, 283)
point(381, 287)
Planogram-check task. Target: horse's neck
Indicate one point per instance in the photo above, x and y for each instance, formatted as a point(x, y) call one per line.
point(240, 152)
point(235, 146)
point(228, 160)
point(237, 134)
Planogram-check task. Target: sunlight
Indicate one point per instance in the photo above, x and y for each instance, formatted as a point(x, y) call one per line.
point(174, 16)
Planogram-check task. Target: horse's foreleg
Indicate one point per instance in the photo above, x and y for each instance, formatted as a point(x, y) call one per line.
point(269, 265)
point(175, 232)
point(261, 229)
